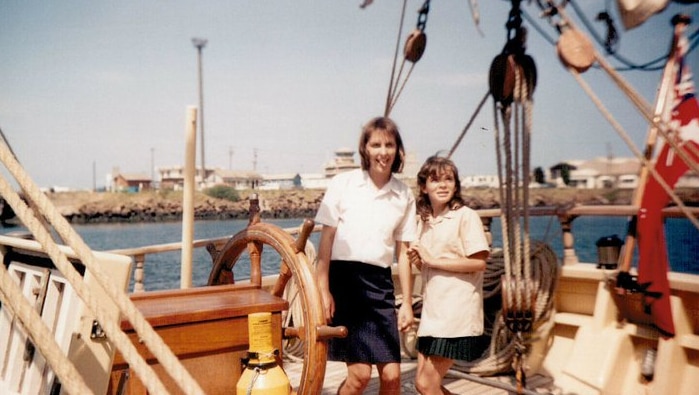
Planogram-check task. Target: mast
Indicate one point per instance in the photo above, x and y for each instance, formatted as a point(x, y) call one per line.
point(666, 81)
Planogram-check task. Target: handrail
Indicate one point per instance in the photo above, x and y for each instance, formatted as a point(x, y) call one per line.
point(566, 216)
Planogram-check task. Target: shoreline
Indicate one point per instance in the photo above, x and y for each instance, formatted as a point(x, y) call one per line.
point(164, 206)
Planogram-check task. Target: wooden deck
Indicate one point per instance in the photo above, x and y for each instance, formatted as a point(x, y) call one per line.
point(336, 372)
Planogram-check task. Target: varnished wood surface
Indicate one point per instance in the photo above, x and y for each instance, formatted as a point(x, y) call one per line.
point(206, 328)
point(174, 307)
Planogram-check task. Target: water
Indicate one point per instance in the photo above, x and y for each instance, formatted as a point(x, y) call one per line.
point(162, 271)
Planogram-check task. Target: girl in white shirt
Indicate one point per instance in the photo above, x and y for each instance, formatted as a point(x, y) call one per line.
point(451, 254)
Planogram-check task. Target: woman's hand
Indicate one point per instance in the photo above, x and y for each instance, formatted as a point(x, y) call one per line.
point(406, 319)
point(328, 306)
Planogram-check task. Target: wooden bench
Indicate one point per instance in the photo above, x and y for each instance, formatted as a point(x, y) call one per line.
point(206, 328)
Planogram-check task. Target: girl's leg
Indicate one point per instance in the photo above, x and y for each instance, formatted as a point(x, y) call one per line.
point(389, 374)
point(358, 375)
point(430, 371)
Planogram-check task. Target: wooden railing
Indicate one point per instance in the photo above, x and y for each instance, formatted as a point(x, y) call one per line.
point(565, 215)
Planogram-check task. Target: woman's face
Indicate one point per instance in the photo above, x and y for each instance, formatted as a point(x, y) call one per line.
point(381, 149)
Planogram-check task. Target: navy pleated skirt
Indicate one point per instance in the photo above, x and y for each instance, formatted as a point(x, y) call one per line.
point(365, 304)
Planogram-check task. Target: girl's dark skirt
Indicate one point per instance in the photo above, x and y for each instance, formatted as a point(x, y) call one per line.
point(458, 348)
point(365, 304)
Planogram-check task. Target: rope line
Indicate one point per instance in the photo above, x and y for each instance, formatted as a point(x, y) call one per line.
point(497, 359)
point(469, 124)
point(624, 136)
point(152, 340)
point(387, 110)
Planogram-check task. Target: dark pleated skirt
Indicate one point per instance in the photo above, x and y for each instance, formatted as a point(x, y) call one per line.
point(365, 304)
point(458, 348)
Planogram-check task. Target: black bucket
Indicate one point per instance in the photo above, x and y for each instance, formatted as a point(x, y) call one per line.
point(608, 249)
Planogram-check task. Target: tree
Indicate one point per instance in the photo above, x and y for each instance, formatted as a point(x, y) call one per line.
point(539, 176)
point(565, 174)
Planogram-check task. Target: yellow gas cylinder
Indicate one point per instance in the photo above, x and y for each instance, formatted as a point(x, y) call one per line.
point(262, 375)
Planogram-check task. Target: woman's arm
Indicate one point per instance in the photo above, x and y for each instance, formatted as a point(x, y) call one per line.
point(405, 276)
point(327, 235)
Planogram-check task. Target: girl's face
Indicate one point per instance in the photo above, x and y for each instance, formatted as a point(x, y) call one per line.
point(381, 149)
point(440, 189)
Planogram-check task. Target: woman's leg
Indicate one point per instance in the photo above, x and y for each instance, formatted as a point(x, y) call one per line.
point(358, 375)
point(389, 376)
point(430, 371)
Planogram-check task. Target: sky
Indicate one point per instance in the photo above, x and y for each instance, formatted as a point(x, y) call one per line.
point(90, 86)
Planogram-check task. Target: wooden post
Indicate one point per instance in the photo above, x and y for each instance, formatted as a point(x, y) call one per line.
point(188, 199)
point(569, 256)
point(138, 273)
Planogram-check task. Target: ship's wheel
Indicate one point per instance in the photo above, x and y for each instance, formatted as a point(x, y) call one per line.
point(308, 331)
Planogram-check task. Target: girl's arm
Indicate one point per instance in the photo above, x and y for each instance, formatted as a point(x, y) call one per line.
point(327, 235)
point(405, 276)
point(473, 263)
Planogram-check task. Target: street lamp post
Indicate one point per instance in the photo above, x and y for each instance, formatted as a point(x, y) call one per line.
point(199, 43)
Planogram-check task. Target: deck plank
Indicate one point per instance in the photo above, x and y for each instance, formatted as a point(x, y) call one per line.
point(335, 372)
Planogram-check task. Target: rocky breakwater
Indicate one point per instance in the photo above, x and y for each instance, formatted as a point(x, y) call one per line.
point(106, 207)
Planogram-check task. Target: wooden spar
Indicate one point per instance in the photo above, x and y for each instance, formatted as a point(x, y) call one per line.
point(651, 140)
point(188, 199)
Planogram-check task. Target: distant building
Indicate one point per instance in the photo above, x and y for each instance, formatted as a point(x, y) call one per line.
point(240, 180)
point(480, 181)
point(410, 169)
point(131, 182)
point(342, 162)
point(314, 181)
point(609, 173)
point(280, 181)
point(605, 173)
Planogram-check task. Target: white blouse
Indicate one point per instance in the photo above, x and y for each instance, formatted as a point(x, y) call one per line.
point(369, 220)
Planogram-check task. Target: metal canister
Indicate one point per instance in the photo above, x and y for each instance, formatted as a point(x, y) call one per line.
point(608, 249)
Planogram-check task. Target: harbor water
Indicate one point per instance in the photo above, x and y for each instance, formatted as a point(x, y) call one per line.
point(162, 270)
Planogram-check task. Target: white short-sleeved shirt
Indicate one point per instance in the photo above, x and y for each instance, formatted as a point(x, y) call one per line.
point(369, 220)
point(452, 302)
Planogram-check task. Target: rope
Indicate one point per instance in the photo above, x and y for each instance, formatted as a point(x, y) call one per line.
point(468, 125)
point(387, 110)
point(504, 223)
point(498, 357)
point(146, 333)
point(624, 136)
point(405, 81)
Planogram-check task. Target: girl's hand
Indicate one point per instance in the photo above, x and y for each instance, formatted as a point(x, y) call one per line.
point(414, 257)
point(419, 256)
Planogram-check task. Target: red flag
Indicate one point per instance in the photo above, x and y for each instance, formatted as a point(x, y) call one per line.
point(653, 260)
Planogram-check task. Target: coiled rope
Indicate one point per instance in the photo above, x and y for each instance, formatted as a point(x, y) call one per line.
point(498, 356)
point(145, 331)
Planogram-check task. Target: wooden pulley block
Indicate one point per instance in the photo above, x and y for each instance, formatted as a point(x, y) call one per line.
point(502, 77)
point(575, 50)
point(415, 45)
